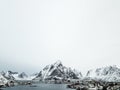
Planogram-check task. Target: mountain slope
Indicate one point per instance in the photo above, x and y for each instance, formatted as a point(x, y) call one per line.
point(109, 73)
point(3, 80)
point(9, 75)
point(58, 71)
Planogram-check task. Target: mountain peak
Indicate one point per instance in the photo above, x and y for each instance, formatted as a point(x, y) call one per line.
point(22, 75)
point(57, 63)
point(59, 71)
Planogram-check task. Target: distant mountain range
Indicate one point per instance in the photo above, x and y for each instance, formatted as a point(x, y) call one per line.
point(57, 71)
point(16, 76)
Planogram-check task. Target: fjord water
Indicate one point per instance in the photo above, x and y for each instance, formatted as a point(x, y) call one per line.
point(39, 87)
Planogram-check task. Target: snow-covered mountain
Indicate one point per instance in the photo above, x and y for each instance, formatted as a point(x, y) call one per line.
point(17, 76)
point(9, 75)
point(109, 73)
point(23, 75)
point(3, 80)
point(20, 76)
point(58, 71)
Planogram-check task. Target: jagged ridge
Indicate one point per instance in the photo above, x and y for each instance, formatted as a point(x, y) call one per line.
point(58, 71)
point(109, 73)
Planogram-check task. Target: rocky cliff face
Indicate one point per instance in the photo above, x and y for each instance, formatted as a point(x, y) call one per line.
point(58, 71)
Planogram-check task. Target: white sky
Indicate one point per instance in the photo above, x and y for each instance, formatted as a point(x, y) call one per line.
point(83, 34)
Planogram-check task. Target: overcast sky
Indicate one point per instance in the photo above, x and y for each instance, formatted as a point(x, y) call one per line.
point(83, 34)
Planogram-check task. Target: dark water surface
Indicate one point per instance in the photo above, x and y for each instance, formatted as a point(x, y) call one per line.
point(40, 87)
